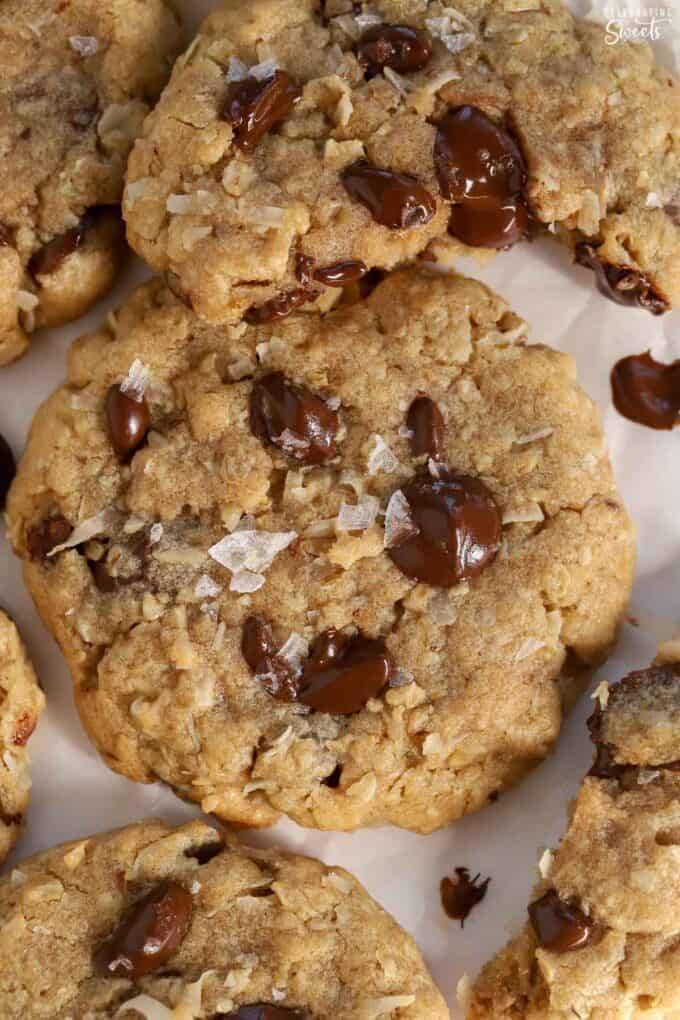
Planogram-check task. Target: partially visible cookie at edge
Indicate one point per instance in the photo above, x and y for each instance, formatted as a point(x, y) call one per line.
point(21, 703)
point(603, 935)
point(150, 921)
point(352, 568)
point(300, 144)
point(77, 81)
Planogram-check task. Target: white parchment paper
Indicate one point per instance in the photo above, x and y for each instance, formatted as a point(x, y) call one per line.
point(74, 794)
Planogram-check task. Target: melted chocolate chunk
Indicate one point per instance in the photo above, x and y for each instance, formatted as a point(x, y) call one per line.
point(279, 307)
point(559, 926)
point(8, 470)
point(207, 852)
point(459, 529)
point(105, 583)
point(400, 47)
point(293, 419)
point(49, 258)
point(647, 391)
point(304, 269)
point(149, 935)
point(263, 1011)
point(259, 650)
point(461, 895)
point(42, 539)
point(624, 285)
point(344, 671)
point(425, 421)
point(341, 273)
point(254, 107)
point(397, 201)
point(481, 170)
point(128, 422)
point(333, 780)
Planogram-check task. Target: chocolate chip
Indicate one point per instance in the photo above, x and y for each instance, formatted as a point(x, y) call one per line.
point(332, 781)
point(293, 419)
point(459, 529)
point(48, 259)
point(128, 422)
point(10, 819)
point(263, 1011)
point(400, 47)
point(254, 107)
point(279, 307)
point(425, 421)
point(397, 201)
point(259, 650)
point(647, 391)
point(459, 896)
point(102, 578)
point(207, 852)
point(42, 539)
point(341, 273)
point(559, 926)
point(621, 284)
point(344, 671)
point(8, 470)
point(149, 935)
point(481, 170)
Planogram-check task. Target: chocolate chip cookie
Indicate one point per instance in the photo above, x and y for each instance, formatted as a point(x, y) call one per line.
point(349, 568)
point(177, 924)
point(21, 702)
point(78, 78)
point(602, 936)
point(302, 143)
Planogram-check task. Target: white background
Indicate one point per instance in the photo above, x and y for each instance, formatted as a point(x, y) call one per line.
point(75, 795)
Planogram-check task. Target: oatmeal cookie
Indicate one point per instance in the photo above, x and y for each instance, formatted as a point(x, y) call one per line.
point(300, 144)
point(21, 702)
point(177, 924)
point(78, 79)
point(602, 942)
point(349, 568)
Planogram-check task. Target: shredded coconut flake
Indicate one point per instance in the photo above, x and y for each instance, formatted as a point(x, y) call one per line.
point(401, 678)
point(26, 301)
point(531, 515)
point(206, 588)
point(150, 1009)
point(244, 582)
point(359, 517)
point(533, 437)
point(156, 533)
point(464, 993)
point(646, 776)
point(237, 71)
point(401, 84)
point(545, 863)
point(653, 201)
point(265, 69)
point(381, 459)
point(136, 382)
point(368, 19)
point(387, 1004)
point(399, 524)
point(84, 45)
point(528, 648)
point(601, 694)
point(86, 530)
point(453, 29)
point(349, 25)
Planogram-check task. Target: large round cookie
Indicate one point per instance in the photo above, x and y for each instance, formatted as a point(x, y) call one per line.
point(21, 702)
point(217, 555)
point(298, 136)
point(603, 940)
point(77, 80)
point(172, 924)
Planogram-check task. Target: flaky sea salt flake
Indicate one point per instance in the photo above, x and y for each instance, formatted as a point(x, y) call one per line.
point(399, 524)
point(381, 459)
point(264, 70)
point(360, 516)
point(84, 45)
point(136, 382)
point(237, 70)
point(206, 588)
point(294, 652)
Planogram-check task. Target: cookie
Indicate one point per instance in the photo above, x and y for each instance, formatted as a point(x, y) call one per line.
point(602, 937)
point(301, 144)
point(349, 568)
point(156, 922)
point(21, 703)
point(78, 79)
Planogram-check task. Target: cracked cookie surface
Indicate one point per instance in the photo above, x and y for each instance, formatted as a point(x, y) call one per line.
point(243, 602)
point(240, 927)
point(78, 79)
point(296, 143)
point(602, 943)
point(21, 703)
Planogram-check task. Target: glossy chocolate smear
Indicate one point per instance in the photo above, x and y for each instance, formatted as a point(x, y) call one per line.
point(263, 1011)
point(254, 107)
point(559, 926)
point(8, 470)
point(459, 529)
point(344, 671)
point(425, 421)
point(481, 170)
point(294, 419)
point(279, 307)
point(400, 47)
point(461, 895)
point(647, 391)
point(128, 421)
point(259, 650)
point(49, 258)
point(41, 540)
point(339, 274)
point(397, 201)
point(149, 935)
point(621, 284)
